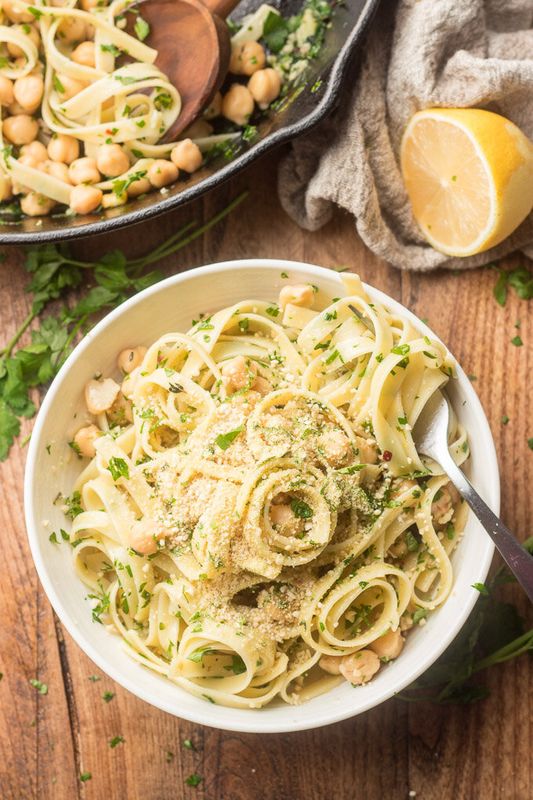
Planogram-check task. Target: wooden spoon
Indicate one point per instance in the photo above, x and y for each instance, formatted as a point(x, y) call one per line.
point(194, 49)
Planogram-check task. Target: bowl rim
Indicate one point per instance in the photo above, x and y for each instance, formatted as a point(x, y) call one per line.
point(328, 99)
point(256, 723)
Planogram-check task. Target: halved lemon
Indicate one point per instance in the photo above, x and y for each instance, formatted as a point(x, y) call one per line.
point(469, 176)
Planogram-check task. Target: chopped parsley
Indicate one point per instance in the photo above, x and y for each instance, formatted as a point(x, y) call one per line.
point(108, 696)
point(300, 509)
point(85, 776)
point(225, 439)
point(481, 588)
point(517, 341)
point(142, 28)
point(193, 780)
point(420, 614)
point(116, 740)
point(118, 468)
point(401, 349)
point(42, 688)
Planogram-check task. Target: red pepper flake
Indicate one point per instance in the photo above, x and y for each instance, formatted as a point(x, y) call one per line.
point(387, 455)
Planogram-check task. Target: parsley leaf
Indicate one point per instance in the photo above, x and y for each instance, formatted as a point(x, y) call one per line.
point(142, 28)
point(116, 740)
point(225, 439)
point(275, 31)
point(42, 688)
point(300, 509)
point(118, 468)
point(193, 780)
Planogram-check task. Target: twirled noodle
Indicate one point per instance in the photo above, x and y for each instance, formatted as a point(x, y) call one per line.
point(258, 522)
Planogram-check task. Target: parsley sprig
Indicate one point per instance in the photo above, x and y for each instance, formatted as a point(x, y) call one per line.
point(55, 276)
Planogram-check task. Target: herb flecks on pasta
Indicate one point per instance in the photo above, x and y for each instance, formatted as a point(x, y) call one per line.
point(255, 520)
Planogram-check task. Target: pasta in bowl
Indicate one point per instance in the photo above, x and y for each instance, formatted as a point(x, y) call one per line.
point(254, 520)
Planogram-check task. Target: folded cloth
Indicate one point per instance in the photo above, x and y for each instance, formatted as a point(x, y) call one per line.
point(418, 54)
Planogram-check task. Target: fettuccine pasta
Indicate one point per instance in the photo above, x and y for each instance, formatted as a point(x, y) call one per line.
point(255, 521)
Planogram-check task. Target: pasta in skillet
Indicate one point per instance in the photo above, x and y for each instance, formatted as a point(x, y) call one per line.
point(255, 521)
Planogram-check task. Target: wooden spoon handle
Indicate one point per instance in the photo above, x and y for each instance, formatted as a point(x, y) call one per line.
point(222, 8)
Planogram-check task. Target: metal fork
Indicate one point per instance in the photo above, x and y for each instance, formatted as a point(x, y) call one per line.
point(431, 439)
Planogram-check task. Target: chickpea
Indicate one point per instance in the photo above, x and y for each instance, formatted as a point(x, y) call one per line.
point(15, 109)
point(331, 664)
point(247, 58)
point(100, 395)
point(33, 35)
point(68, 87)
point(198, 130)
point(85, 439)
point(71, 29)
point(112, 160)
point(357, 668)
point(28, 92)
point(297, 295)
point(145, 534)
point(20, 129)
point(36, 205)
point(130, 382)
point(6, 91)
point(214, 108)
point(368, 450)
point(84, 170)
point(238, 373)
point(388, 646)
point(238, 104)
point(186, 155)
point(162, 172)
point(28, 160)
point(84, 54)
point(140, 186)
point(262, 386)
point(130, 359)
point(84, 199)
point(113, 200)
point(442, 508)
point(285, 521)
point(56, 169)
point(16, 12)
point(63, 148)
point(360, 667)
point(336, 447)
point(6, 189)
point(121, 412)
point(36, 150)
point(265, 86)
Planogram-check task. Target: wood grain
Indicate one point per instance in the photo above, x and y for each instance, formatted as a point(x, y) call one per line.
point(481, 751)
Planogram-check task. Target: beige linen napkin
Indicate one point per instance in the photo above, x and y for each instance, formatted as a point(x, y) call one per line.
point(419, 53)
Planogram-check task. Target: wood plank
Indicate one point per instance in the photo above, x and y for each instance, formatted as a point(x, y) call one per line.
point(439, 752)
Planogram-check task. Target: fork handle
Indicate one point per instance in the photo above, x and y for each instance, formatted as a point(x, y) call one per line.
point(519, 561)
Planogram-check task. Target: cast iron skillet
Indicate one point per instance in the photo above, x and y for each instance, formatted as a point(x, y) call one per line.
point(302, 111)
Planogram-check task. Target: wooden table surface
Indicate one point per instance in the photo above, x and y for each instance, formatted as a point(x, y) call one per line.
point(439, 752)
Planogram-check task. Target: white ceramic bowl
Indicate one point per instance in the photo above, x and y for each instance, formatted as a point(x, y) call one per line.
point(171, 305)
